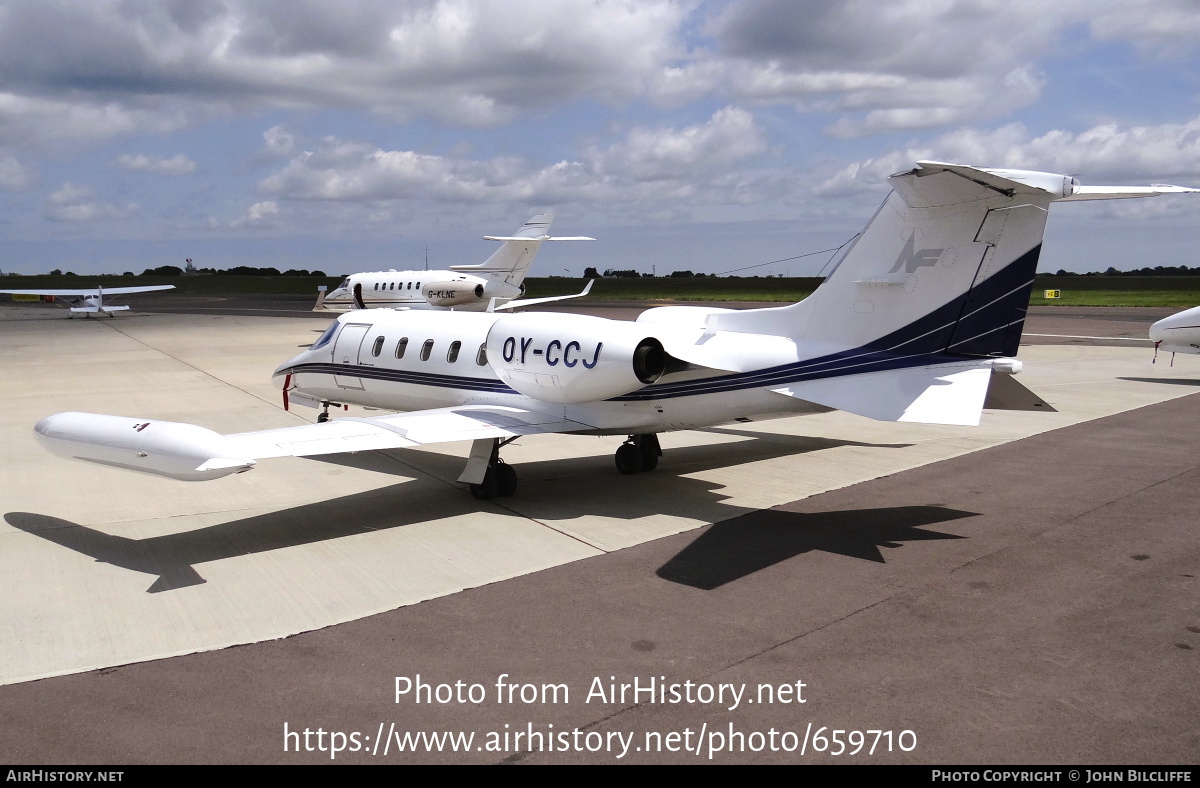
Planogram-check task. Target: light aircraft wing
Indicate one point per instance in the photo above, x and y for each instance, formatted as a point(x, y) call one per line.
point(91, 291)
point(91, 310)
point(531, 301)
point(537, 238)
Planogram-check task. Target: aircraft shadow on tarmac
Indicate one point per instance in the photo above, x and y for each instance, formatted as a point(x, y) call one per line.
point(733, 549)
point(1172, 381)
point(173, 557)
point(676, 459)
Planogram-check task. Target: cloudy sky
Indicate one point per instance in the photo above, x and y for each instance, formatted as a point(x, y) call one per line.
point(705, 135)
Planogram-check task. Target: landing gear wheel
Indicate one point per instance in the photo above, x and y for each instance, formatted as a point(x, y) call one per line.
point(628, 458)
point(650, 451)
point(323, 417)
point(487, 489)
point(506, 479)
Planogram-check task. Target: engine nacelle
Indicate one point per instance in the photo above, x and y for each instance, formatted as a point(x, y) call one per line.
point(165, 448)
point(573, 358)
point(455, 293)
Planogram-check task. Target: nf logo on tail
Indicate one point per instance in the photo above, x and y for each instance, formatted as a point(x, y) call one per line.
point(911, 260)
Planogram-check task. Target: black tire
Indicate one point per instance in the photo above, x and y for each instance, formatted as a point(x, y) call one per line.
point(650, 452)
point(629, 458)
point(322, 418)
point(486, 490)
point(506, 480)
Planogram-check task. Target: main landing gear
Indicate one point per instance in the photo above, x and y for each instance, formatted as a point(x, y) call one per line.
point(500, 480)
point(639, 453)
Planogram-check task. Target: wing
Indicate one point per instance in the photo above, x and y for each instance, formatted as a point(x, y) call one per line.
point(400, 430)
point(92, 291)
point(192, 453)
point(531, 301)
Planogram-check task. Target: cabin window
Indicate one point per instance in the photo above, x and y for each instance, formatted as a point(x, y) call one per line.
point(376, 285)
point(452, 354)
point(410, 285)
point(400, 346)
point(393, 286)
point(426, 349)
point(481, 356)
point(418, 285)
point(377, 347)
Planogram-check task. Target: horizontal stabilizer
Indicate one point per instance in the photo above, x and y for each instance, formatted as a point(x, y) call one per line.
point(1124, 192)
point(94, 309)
point(1062, 188)
point(943, 394)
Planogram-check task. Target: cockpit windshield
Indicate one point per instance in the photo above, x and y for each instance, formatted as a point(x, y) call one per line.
point(345, 285)
point(324, 338)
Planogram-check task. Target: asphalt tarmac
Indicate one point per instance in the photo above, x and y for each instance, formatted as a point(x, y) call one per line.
point(1033, 602)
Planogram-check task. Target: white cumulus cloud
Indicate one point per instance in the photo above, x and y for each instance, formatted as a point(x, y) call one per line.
point(14, 176)
point(71, 203)
point(176, 165)
point(691, 163)
point(256, 214)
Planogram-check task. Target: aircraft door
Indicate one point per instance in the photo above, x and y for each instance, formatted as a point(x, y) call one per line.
point(345, 353)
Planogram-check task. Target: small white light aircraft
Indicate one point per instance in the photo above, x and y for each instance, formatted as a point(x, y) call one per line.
point(917, 317)
point(1179, 333)
point(90, 301)
point(493, 284)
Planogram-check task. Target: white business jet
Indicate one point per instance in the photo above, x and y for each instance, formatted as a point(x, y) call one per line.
point(912, 324)
point(90, 301)
point(493, 284)
point(1179, 333)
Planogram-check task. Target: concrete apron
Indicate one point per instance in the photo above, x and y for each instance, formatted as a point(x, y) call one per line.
point(101, 567)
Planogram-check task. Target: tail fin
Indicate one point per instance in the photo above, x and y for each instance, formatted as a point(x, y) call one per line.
point(945, 267)
point(511, 261)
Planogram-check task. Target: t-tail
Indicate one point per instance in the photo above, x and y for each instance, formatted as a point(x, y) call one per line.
point(511, 261)
point(930, 297)
point(945, 266)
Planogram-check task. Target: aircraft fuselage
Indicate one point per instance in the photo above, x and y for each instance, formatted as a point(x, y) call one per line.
point(420, 290)
point(402, 361)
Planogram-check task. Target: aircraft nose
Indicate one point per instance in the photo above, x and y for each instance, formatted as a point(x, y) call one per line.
point(285, 369)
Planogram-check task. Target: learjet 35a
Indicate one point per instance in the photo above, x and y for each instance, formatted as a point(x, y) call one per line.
point(495, 284)
point(918, 316)
point(90, 301)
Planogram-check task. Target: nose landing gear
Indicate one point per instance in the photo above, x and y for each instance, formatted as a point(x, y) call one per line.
point(323, 416)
